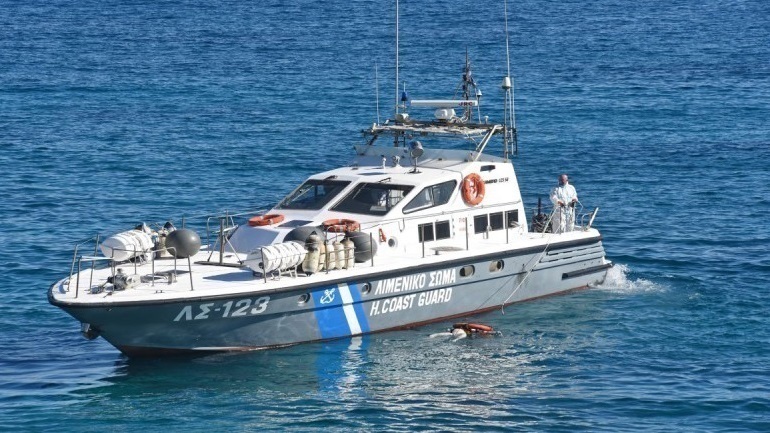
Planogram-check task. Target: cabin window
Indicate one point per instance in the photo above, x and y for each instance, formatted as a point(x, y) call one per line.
point(434, 232)
point(425, 232)
point(493, 221)
point(313, 194)
point(373, 198)
point(443, 230)
point(434, 195)
point(496, 221)
point(513, 217)
point(480, 223)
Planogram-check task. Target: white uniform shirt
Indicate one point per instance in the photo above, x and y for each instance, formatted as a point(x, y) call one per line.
point(564, 193)
point(563, 217)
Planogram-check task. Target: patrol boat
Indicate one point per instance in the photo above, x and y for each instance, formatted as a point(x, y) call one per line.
point(412, 231)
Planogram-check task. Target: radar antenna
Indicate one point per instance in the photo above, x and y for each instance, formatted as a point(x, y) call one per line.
point(509, 124)
point(469, 85)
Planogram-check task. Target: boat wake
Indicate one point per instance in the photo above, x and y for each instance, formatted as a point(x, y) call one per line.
point(618, 281)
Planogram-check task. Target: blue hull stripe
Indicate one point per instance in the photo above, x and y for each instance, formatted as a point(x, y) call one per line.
point(338, 311)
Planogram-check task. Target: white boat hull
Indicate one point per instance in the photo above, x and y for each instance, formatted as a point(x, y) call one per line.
point(394, 299)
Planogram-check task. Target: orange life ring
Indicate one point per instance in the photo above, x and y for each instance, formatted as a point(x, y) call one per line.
point(265, 220)
point(473, 189)
point(341, 225)
point(473, 327)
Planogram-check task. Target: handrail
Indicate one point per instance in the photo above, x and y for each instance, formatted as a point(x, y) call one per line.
point(230, 225)
point(226, 218)
point(75, 254)
point(113, 265)
point(579, 216)
point(227, 223)
point(77, 277)
point(375, 224)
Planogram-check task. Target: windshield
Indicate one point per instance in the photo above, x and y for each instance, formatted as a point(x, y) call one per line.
point(373, 198)
point(313, 194)
point(434, 195)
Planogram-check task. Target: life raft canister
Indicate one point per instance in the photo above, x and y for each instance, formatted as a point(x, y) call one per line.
point(265, 220)
point(341, 225)
point(473, 189)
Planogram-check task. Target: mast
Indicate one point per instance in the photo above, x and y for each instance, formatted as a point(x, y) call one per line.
point(467, 84)
point(377, 91)
point(395, 136)
point(397, 57)
point(509, 123)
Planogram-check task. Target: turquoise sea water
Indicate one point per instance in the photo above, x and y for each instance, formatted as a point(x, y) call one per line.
point(113, 113)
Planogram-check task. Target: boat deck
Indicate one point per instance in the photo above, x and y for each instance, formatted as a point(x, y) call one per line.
point(211, 279)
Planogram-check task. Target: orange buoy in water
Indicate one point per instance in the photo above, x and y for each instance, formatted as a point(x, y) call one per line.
point(474, 328)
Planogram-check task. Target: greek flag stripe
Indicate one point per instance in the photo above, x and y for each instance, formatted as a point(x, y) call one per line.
point(347, 307)
point(331, 319)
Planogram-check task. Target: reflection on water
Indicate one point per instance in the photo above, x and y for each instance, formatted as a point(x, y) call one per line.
point(390, 372)
point(342, 370)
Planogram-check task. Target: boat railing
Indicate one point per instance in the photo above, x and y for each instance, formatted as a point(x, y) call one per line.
point(372, 227)
point(138, 258)
point(376, 224)
point(228, 222)
point(225, 224)
point(462, 216)
point(219, 234)
point(587, 218)
point(582, 218)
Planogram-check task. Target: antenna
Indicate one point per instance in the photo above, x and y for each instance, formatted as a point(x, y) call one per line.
point(510, 118)
point(471, 93)
point(397, 57)
point(507, 50)
point(468, 83)
point(377, 91)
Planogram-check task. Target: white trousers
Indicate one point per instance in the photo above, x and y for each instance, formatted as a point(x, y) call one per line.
point(563, 219)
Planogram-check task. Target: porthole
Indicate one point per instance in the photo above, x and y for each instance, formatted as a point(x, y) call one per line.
point(303, 299)
point(393, 242)
point(496, 265)
point(366, 288)
point(467, 271)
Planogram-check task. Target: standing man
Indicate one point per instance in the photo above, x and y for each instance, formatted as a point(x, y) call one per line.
point(563, 198)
